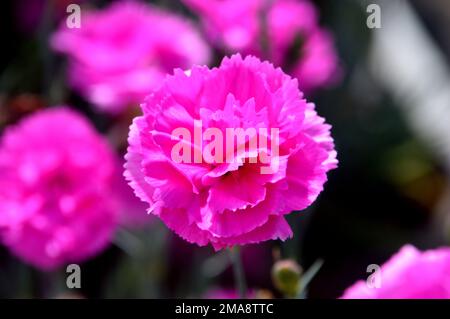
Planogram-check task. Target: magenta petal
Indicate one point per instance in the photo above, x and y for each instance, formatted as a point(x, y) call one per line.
point(275, 228)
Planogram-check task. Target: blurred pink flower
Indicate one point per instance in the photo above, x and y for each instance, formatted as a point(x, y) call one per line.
point(228, 204)
point(287, 20)
point(318, 65)
point(230, 24)
point(409, 274)
point(272, 29)
point(123, 52)
point(55, 191)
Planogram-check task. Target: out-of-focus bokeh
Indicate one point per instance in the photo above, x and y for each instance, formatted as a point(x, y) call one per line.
point(385, 91)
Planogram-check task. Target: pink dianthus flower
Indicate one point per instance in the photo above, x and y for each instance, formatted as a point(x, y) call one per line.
point(278, 30)
point(409, 274)
point(122, 52)
point(55, 192)
point(229, 203)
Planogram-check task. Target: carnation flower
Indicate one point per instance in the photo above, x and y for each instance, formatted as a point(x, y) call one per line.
point(279, 30)
point(55, 196)
point(244, 197)
point(409, 274)
point(124, 51)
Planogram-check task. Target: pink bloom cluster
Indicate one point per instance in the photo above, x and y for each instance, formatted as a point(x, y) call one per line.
point(124, 51)
point(55, 191)
point(279, 30)
point(409, 274)
point(228, 204)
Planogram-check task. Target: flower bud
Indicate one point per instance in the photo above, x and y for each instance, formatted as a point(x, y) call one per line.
point(286, 276)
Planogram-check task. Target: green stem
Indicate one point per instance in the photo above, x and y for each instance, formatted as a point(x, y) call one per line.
point(308, 276)
point(238, 270)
